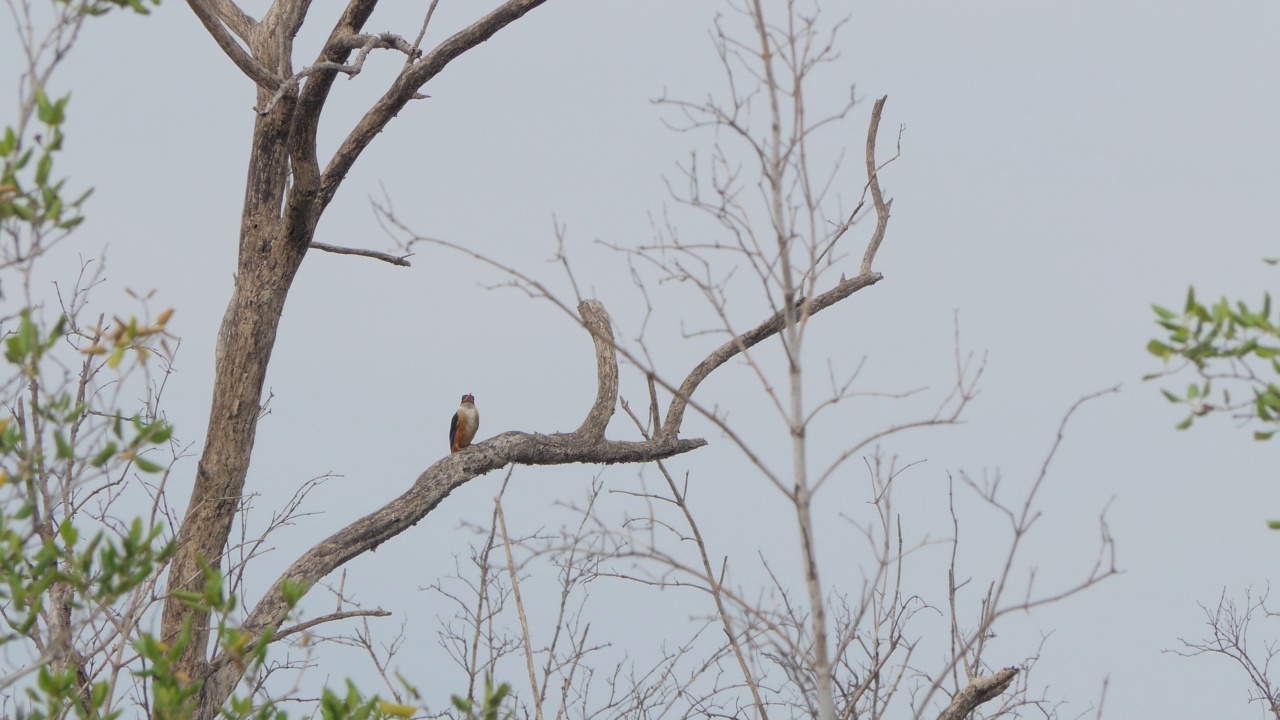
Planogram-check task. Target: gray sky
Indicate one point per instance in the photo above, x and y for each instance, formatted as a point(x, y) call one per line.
point(1063, 166)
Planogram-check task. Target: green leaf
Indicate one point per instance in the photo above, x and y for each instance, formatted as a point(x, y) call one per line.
point(69, 533)
point(163, 434)
point(15, 349)
point(1166, 314)
point(43, 167)
point(64, 447)
point(1246, 348)
point(1186, 423)
point(117, 355)
point(1221, 311)
point(1159, 349)
point(1264, 435)
point(146, 465)
point(292, 592)
point(58, 115)
point(43, 109)
point(1271, 397)
point(103, 455)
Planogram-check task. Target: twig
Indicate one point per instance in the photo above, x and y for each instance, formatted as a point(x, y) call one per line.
point(364, 43)
point(431, 10)
point(524, 620)
point(401, 260)
point(331, 617)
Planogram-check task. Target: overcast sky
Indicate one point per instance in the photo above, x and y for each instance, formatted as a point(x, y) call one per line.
point(1064, 165)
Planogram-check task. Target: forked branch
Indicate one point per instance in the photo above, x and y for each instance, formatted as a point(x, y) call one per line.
point(770, 327)
point(408, 83)
point(213, 21)
point(585, 445)
point(808, 307)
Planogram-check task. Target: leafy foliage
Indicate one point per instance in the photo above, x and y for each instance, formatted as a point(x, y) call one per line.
point(1229, 346)
point(489, 707)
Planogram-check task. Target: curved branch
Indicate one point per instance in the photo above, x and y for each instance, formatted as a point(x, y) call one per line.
point(596, 321)
point(585, 445)
point(873, 178)
point(397, 516)
point(750, 338)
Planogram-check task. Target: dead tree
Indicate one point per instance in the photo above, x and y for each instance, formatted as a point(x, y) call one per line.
point(288, 189)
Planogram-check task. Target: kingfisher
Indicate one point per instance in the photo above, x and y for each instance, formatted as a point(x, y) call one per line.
point(465, 422)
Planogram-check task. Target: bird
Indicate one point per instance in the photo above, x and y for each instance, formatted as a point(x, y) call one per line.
point(465, 422)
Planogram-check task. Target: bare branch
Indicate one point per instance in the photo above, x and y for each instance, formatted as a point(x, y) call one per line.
point(401, 260)
point(515, 594)
point(873, 177)
point(436, 483)
point(426, 21)
point(331, 617)
point(236, 19)
point(406, 86)
point(770, 327)
point(979, 691)
point(238, 55)
point(596, 321)
point(364, 43)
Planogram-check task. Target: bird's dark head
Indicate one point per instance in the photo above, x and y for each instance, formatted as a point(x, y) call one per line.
point(468, 399)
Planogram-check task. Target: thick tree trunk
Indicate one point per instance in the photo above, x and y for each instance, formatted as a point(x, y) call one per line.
point(285, 194)
point(271, 251)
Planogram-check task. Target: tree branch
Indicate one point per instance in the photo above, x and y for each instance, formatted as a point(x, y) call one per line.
point(236, 19)
point(873, 177)
point(407, 85)
point(331, 617)
point(302, 213)
point(364, 43)
point(979, 691)
point(750, 338)
point(596, 321)
point(213, 22)
point(375, 254)
point(442, 478)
